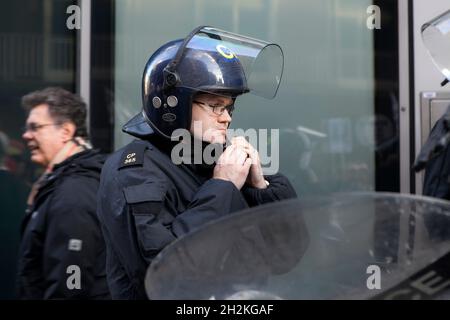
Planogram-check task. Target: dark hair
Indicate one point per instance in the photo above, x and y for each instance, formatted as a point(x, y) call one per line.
point(63, 106)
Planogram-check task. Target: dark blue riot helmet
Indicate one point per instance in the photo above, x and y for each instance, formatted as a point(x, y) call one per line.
point(209, 60)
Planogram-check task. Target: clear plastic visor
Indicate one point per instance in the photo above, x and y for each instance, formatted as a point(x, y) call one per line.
point(436, 38)
point(259, 63)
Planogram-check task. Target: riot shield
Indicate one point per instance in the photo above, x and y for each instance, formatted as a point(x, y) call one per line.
point(343, 246)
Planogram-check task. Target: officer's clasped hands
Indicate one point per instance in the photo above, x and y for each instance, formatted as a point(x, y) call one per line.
point(255, 177)
point(240, 164)
point(233, 165)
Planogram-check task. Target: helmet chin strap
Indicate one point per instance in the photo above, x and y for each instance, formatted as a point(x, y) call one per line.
point(171, 77)
point(170, 74)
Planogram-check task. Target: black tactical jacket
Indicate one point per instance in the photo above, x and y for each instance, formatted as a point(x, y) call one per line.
point(145, 202)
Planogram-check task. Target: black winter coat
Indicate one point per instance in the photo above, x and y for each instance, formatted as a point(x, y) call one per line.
point(437, 176)
point(146, 202)
point(61, 230)
point(437, 170)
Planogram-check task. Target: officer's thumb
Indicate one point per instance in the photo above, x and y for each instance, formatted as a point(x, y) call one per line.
point(247, 163)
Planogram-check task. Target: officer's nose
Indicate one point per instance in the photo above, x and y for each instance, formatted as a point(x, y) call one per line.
point(225, 116)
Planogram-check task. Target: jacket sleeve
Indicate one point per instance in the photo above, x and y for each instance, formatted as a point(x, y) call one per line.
point(71, 243)
point(215, 199)
point(158, 223)
point(279, 188)
point(437, 174)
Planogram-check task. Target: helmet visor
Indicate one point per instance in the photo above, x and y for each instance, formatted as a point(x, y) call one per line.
point(436, 38)
point(217, 61)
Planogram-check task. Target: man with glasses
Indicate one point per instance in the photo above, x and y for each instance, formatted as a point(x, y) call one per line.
point(62, 253)
point(147, 199)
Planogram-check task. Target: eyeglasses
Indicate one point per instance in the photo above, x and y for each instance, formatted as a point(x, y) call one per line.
point(217, 110)
point(34, 127)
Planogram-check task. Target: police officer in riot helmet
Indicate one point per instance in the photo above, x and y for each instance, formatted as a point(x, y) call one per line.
point(148, 197)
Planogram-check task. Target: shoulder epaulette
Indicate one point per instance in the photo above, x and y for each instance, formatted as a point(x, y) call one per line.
point(133, 154)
